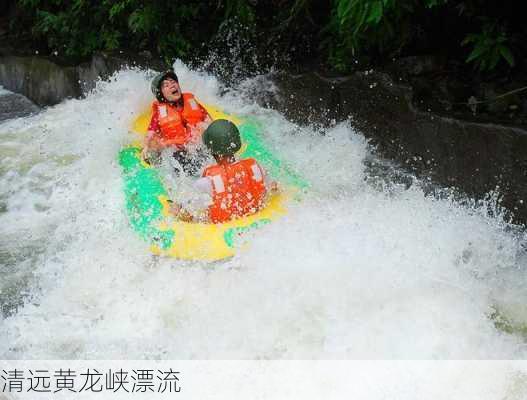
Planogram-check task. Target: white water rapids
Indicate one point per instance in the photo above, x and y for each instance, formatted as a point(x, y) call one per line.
point(355, 270)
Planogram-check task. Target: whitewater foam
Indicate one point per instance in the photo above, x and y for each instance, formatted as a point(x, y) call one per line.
point(352, 271)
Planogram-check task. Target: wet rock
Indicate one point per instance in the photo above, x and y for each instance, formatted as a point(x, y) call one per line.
point(503, 103)
point(103, 65)
point(416, 65)
point(100, 67)
point(493, 103)
point(473, 157)
point(307, 98)
point(13, 105)
point(47, 83)
point(39, 79)
point(452, 93)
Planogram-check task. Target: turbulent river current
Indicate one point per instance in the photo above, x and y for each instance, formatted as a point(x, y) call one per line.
point(362, 267)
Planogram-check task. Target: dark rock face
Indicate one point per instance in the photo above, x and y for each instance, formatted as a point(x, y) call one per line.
point(47, 83)
point(475, 158)
point(14, 105)
point(40, 80)
point(102, 66)
point(305, 99)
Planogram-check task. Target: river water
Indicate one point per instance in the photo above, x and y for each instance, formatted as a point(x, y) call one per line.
point(363, 267)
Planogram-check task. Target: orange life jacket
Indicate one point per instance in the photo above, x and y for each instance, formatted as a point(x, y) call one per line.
point(238, 189)
point(174, 121)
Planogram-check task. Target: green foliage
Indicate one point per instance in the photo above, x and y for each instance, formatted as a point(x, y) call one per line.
point(341, 32)
point(239, 10)
point(380, 27)
point(79, 27)
point(74, 28)
point(489, 47)
point(384, 28)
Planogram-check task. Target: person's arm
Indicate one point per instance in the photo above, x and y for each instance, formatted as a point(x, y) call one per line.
point(196, 129)
point(180, 213)
point(151, 142)
point(273, 187)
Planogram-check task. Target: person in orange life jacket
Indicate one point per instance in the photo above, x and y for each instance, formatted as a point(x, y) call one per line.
point(177, 121)
point(235, 188)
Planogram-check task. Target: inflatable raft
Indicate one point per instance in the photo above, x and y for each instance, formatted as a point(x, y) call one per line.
point(147, 199)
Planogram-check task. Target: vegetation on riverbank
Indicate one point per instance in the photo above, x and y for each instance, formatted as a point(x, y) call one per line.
point(340, 34)
point(466, 58)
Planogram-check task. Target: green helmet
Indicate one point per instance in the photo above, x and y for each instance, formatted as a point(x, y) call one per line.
point(158, 80)
point(222, 138)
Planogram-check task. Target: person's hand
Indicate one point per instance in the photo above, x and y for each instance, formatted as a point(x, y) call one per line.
point(175, 208)
point(180, 213)
point(153, 143)
point(185, 216)
point(273, 187)
point(144, 153)
point(196, 131)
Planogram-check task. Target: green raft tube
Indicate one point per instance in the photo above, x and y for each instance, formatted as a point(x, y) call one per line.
point(148, 208)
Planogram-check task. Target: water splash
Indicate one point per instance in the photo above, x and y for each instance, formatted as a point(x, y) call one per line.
point(356, 270)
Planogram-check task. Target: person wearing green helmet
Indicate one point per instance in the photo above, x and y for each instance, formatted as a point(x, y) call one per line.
point(178, 121)
point(235, 188)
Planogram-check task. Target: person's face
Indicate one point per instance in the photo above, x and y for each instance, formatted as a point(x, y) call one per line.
point(170, 90)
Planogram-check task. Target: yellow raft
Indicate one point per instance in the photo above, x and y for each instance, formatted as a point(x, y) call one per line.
point(147, 199)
